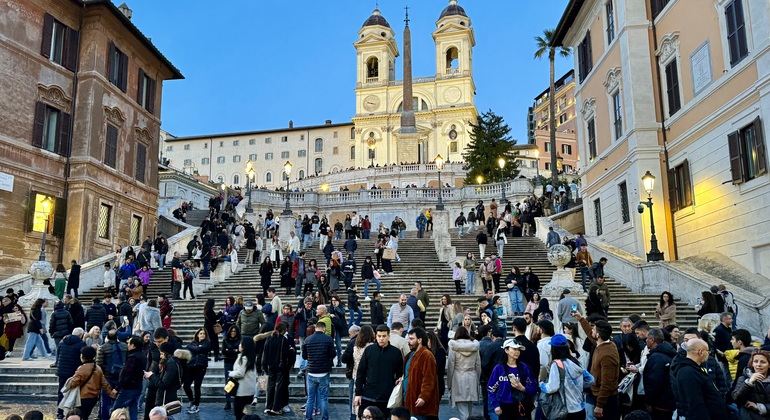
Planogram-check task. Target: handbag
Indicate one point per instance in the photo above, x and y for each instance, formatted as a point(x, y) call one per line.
point(262, 383)
point(389, 254)
point(396, 398)
point(218, 328)
point(231, 388)
point(376, 251)
point(174, 407)
point(377, 274)
point(554, 405)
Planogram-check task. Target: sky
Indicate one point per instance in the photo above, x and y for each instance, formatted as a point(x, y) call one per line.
point(256, 64)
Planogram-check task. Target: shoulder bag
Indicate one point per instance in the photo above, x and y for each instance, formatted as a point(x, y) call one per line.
point(554, 405)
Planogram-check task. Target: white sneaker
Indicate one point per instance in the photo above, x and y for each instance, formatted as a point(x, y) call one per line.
point(382, 294)
point(367, 298)
point(286, 409)
point(193, 409)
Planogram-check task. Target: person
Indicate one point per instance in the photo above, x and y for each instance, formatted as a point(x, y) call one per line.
point(584, 261)
point(423, 297)
point(602, 292)
point(397, 339)
point(373, 413)
point(166, 309)
point(245, 371)
point(60, 281)
point(463, 372)
point(377, 371)
point(61, 323)
point(266, 270)
point(511, 386)
point(666, 310)
point(457, 276)
point(35, 331)
point(420, 390)
point(169, 379)
point(564, 366)
point(111, 358)
point(352, 355)
point(602, 400)
point(250, 320)
point(552, 238)
point(211, 318)
point(131, 379)
point(516, 288)
point(339, 325)
point(230, 351)
point(723, 332)
point(481, 240)
point(196, 368)
point(149, 317)
point(319, 352)
point(596, 270)
point(73, 283)
point(68, 360)
point(278, 358)
point(566, 307)
point(656, 376)
point(469, 265)
point(96, 315)
point(400, 312)
point(752, 389)
point(90, 379)
point(738, 357)
point(696, 394)
point(376, 310)
point(354, 306)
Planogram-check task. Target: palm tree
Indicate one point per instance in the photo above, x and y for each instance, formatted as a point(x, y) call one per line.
point(545, 44)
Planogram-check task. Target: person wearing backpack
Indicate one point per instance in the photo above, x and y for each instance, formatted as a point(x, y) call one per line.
point(564, 388)
point(130, 379)
point(111, 357)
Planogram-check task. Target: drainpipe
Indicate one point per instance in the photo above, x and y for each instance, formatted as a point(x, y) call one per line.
point(673, 251)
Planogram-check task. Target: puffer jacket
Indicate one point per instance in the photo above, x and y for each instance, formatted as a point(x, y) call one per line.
point(200, 353)
point(96, 316)
point(698, 397)
point(68, 356)
point(230, 345)
point(657, 384)
point(34, 323)
point(250, 322)
point(61, 322)
point(167, 381)
point(104, 354)
point(319, 352)
point(78, 316)
point(759, 394)
point(149, 319)
point(96, 382)
point(131, 376)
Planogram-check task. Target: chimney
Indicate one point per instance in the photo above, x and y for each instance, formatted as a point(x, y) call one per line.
point(328, 122)
point(126, 11)
point(291, 123)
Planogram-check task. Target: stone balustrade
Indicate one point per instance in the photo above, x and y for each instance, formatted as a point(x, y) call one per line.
point(396, 175)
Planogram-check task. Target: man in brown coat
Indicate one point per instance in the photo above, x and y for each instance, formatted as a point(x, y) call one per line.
point(420, 382)
point(605, 367)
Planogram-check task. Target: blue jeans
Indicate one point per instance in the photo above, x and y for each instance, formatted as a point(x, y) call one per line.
point(366, 285)
point(351, 387)
point(460, 232)
point(401, 234)
point(352, 311)
point(128, 398)
point(470, 281)
point(583, 275)
point(107, 401)
point(34, 341)
point(161, 261)
point(317, 396)
point(366, 234)
point(517, 300)
point(307, 240)
point(337, 234)
point(302, 362)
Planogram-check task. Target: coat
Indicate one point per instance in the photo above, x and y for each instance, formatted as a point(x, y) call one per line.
point(701, 398)
point(464, 371)
point(68, 356)
point(167, 382)
point(95, 382)
point(247, 379)
point(421, 383)
point(149, 320)
point(759, 394)
point(667, 315)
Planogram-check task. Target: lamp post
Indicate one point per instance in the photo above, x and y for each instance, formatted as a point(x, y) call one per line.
point(249, 178)
point(501, 164)
point(439, 161)
point(41, 270)
point(47, 211)
point(287, 171)
point(372, 143)
point(648, 180)
point(537, 168)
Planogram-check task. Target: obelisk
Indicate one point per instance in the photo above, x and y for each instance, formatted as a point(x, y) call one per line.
point(407, 134)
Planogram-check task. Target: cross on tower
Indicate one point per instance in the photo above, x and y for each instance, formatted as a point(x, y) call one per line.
point(407, 15)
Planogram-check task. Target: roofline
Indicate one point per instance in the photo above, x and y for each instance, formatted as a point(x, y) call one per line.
point(175, 73)
point(248, 133)
point(561, 79)
point(570, 13)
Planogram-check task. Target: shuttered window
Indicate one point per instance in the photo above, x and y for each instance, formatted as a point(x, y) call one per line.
point(657, 6)
point(145, 93)
point(60, 43)
point(598, 216)
point(748, 154)
point(680, 186)
point(736, 32)
point(672, 87)
point(591, 139)
point(625, 214)
point(51, 130)
point(585, 59)
point(117, 67)
point(111, 146)
point(141, 162)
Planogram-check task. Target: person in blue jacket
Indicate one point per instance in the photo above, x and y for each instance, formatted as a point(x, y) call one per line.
point(511, 386)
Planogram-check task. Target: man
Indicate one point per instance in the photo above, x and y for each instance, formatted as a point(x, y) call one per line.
point(347, 359)
point(656, 378)
point(544, 348)
point(68, 361)
point(96, 315)
point(421, 222)
point(696, 394)
point(552, 238)
point(481, 240)
point(294, 245)
point(177, 276)
point(531, 355)
point(491, 353)
point(378, 370)
point(712, 366)
point(723, 332)
point(485, 306)
point(596, 270)
point(322, 313)
point(400, 313)
point(498, 264)
point(602, 400)
point(73, 283)
point(111, 358)
point(160, 336)
point(375, 309)
point(191, 247)
point(730, 305)
point(366, 227)
point(319, 351)
point(271, 313)
point(460, 223)
point(603, 292)
point(109, 308)
point(580, 240)
point(566, 307)
point(131, 378)
point(419, 381)
point(423, 297)
point(348, 270)
point(250, 321)
point(718, 298)
point(532, 281)
point(583, 260)
point(531, 327)
point(413, 302)
point(397, 339)
point(741, 341)
point(157, 413)
point(61, 323)
point(355, 222)
point(303, 316)
point(351, 245)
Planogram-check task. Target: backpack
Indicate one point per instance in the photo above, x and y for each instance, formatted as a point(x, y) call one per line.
point(188, 274)
point(117, 360)
point(730, 304)
point(554, 405)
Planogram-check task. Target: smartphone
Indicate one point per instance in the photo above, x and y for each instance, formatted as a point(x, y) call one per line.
point(574, 308)
point(124, 319)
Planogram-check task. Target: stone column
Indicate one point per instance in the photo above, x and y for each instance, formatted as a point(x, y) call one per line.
point(286, 225)
point(441, 239)
point(562, 278)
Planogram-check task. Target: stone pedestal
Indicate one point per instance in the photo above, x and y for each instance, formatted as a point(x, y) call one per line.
point(441, 239)
point(562, 278)
point(40, 271)
point(286, 226)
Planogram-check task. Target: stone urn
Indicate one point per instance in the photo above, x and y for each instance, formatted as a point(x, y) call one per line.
point(563, 278)
point(40, 271)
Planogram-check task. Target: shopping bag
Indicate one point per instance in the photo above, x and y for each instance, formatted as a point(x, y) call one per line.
point(70, 397)
point(389, 254)
point(396, 397)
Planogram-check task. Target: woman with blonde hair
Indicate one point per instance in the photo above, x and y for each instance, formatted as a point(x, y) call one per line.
point(94, 337)
point(119, 414)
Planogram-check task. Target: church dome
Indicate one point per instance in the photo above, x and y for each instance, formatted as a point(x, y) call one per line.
point(453, 10)
point(376, 19)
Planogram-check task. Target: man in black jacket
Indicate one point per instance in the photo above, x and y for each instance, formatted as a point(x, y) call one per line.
point(696, 394)
point(531, 355)
point(347, 359)
point(111, 358)
point(61, 323)
point(378, 370)
point(319, 352)
point(73, 283)
point(96, 315)
point(657, 385)
point(131, 378)
point(68, 360)
point(376, 310)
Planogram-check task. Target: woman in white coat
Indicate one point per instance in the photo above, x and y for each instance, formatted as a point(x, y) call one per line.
point(464, 370)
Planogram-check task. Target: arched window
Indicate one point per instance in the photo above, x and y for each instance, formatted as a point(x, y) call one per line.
point(319, 145)
point(372, 68)
point(452, 64)
point(352, 152)
point(417, 104)
point(301, 174)
point(284, 177)
point(352, 133)
point(220, 178)
point(319, 165)
point(236, 179)
point(269, 177)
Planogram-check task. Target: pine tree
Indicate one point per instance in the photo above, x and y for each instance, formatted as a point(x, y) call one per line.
point(489, 142)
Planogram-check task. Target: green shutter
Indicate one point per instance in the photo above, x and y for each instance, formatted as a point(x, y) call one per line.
point(59, 217)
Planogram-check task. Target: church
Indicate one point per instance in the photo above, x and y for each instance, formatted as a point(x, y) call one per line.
point(385, 130)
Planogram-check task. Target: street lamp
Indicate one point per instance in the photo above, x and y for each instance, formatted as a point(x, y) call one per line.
point(439, 161)
point(501, 164)
point(325, 187)
point(372, 144)
point(249, 178)
point(648, 180)
point(537, 168)
point(479, 179)
point(287, 171)
point(46, 202)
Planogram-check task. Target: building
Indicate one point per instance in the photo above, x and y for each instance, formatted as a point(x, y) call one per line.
point(438, 116)
point(79, 121)
point(538, 120)
point(682, 95)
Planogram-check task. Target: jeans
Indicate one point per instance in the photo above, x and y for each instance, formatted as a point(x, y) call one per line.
point(228, 369)
point(611, 409)
point(366, 285)
point(420, 232)
point(517, 300)
point(470, 281)
point(44, 339)
point(351, 388)
point(33, 341)
point(128, 398)
point(583, 275)
point(161, 261)
point(307, 240)
point(401, 234)
point(460, 232)
point(107, 401)
point(500, 246)
point(302, 362)
point(360, 313)
point(337, 234)
point(317, 396)
point(366, 234)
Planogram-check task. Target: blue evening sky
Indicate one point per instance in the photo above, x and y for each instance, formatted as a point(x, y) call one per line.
point(253, 65)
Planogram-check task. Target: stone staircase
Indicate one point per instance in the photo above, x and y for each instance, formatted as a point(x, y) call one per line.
point(418, 262)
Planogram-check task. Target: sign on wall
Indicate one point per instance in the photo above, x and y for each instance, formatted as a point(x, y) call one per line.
point(6, 182)
point(700, 62)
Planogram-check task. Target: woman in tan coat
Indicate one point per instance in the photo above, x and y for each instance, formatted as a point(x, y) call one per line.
point(464, 370)
point(90, 378)
point(666, 310)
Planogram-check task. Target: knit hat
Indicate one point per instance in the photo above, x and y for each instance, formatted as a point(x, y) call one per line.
point(559, 340)
point(167, 347)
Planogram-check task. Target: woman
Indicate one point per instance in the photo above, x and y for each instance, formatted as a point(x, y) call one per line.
point(340, 326)
point(35, 331)
point(334, 274)
point(90, 379)
point(500, 239)
point(278, 358)
point(510, 403)
point(532, 304)
point(446, 316)
point(188, 275)
point(576, 377)
point(60, 281)
point(275, 251)
point(464, 371)
point(286, 280)
point(572, 333)
point(709, 304)
point(265, 273)
point(502, 314)
point(144, 276)
point(594, 302)
point(516, 227)
point(470, 273)
point(230, 350)
point(348, 226)
point(468, 323)
point(673, 335)
point(666, 310)
point(364, 339)
point(379, 247)
point(543, 311)
point(440, 354)
point(169, 379)
point(311, 276)
point(225, 319)
point(211, 318)
point(15, 329)
point(480, 213)
point(516, 289)
point(484, 274)
point(149, 317)
point(119, 414)
point(752, 389)
point(196, 368)
point(245, 371)
point(367, 275)
point(373, 413)
point(457, 276)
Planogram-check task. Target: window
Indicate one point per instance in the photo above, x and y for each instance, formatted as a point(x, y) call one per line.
point(169, 148)
point(60, 43)
point(103, 227)
point(205, 161)
point(319, 165)
point(268, 140)
point(301, 137)
point(252, 142)
point(284, 155)
point(352, 133)
point(37, 213)
point(334, 135)
point(269, 177)
point(372, 153)
point(111, 146)
point(319, 145)
point(236, 142)
point(205, 145)
point(335, 150)
point(221, 144)
point(610, 15)
point(562, 118)
point(591, 129)
point(547, 147)
point(736, 32)
point(253, 157)
point(548, 166)
point(301, 174)
point(672, 87)
point(145, 93)
point(352, 152)
point(625, 215)
point(221, 159)
point(301, 153)
point(136, 230)
point(284, 139)
point(657, 6)
point(188, 162)
point(186, 147)
point(598, 216)
point(284, 177)
point(51, 130)
point(236, 179)
point(268, 156)
point(117, 67)
point(141, 162)
point(747, 152)
point(566, 149)
point(680, 186)
point(585, 60)
point(236, 158)
point(617, 114)
point(453, 147)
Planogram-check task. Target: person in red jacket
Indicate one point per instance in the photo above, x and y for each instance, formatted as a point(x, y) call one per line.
point(166, 308)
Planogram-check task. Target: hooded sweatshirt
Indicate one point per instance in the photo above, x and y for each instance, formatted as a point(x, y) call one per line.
point(575, 378)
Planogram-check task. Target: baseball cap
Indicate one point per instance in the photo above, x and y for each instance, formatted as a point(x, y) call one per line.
point(512, 344)
point(559, 340)
point(249, 305)
point(565, 291)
